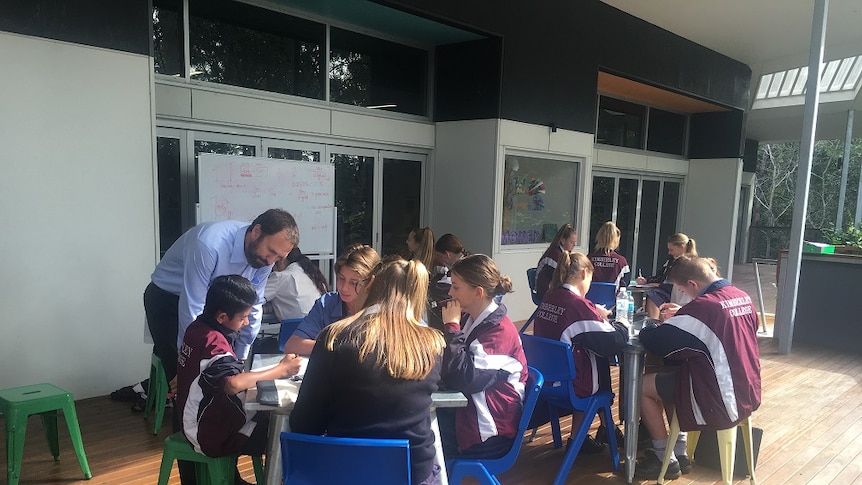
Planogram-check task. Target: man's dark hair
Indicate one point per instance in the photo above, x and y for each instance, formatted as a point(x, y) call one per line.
point(231, 294)
point(274, 221)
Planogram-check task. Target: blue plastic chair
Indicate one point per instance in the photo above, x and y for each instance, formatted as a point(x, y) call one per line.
point(602, 293)
point(531, 280)
point(485, 469)
point(286, 330)
point(313, 460)
point(554, 360)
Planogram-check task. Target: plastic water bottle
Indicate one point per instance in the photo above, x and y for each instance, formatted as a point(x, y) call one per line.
point(622, 305)
point(630, 307)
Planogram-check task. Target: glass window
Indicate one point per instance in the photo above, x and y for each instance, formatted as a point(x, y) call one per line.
point(539, 195)
point(293, 154)
point(402, 193)
point(241, 45)
point(170, 188)
point(354, 198)
point(168, 37)
point(375, 73)
point(666, 132)
point(620, 123)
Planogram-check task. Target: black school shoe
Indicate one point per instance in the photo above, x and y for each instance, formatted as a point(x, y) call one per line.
point(589, 447)
point(684, 464)
point(649, 467)
point(602, 436)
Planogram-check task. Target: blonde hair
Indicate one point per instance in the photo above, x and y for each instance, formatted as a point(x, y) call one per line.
point(680, 239)
point(479, 271)
point(569, 265)
point(360, 258)
point(394, 335)
point(608, 237)
point(425, 239)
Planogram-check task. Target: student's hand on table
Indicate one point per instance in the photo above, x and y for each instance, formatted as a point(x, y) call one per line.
point(290, 365)
point(451, 311)
point(640, 280)
point(667, 310)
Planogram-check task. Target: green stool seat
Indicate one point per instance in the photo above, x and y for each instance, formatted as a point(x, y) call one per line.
point(209, 471)
point(19, 403)
point(157, 393)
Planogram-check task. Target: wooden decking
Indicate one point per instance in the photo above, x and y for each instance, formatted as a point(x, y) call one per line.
point(811, 416)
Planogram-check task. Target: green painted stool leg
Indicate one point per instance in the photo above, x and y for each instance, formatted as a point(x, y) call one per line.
point(75, 434)
point(257, 463)
point(157, 393)
point(16, 429)
point(49, 421)
point(165, 469)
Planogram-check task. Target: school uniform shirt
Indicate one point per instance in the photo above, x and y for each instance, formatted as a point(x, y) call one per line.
point(214, 422)
point(714, 340)
point(326, 310)
point(291, 292)
point(545, 269)
point(198, 257)
point(609, 267)
point(485, 361)
point(566, 316)
point(341, 396)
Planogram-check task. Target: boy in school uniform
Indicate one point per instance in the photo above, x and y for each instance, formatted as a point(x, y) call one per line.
point(210, 378)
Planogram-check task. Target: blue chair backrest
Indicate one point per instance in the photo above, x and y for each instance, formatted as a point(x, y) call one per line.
point(602, 293)
point(286, 330)
point(532, 389)
point(314, 460)
point(531, 280)
point(551, 357)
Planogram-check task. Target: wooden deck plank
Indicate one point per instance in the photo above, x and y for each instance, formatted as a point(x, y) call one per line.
point(811, 416)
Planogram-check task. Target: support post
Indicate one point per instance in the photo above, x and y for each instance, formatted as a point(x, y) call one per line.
point(787, 315)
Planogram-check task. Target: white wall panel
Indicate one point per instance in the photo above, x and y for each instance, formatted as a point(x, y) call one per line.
point(78, 203)
point(710, 210)
point(253, 111)
point(366, 127)
point(173, 101)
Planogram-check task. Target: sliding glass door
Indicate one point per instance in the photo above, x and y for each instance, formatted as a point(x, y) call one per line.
point(644, 208)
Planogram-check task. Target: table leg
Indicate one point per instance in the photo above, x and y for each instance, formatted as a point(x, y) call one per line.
point(438, 447)
point(634, 367)
point(278, 422)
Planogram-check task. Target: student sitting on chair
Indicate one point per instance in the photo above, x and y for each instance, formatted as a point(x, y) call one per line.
point(565, 240)
point(354, 270)
point(713, 338)
point(484, 360)
point(567, 316)
point(371, 375)
point(211, 380)
point(677, 245)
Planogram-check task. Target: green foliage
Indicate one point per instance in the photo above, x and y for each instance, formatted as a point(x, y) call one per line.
point(849, 236)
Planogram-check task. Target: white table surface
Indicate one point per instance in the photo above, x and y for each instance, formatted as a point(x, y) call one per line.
point(288, 389)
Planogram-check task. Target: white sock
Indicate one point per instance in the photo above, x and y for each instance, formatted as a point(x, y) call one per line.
point(679, 448)
point(659, 447)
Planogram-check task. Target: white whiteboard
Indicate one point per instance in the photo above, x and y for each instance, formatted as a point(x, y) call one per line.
point(241, 188)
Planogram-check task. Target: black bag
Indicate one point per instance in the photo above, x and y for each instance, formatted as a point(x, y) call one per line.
point(707, 455)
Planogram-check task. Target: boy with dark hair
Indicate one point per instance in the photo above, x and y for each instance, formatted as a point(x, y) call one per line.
point(211, 380)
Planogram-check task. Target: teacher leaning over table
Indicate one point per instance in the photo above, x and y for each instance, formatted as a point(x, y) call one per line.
point(371, 375)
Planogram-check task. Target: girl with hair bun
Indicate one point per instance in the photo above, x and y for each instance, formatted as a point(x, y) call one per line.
point(609, 266)
point(484, 360)
point(566, 315)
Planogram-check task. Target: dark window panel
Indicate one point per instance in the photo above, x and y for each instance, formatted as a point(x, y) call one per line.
point(168, 38)
point(371, 72)
point(620, 123)
point(666, 132)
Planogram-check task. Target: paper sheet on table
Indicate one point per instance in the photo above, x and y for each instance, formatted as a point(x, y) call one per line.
point(268, 361)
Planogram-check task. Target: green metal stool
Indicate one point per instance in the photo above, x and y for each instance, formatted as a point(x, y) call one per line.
point(19, 403)
point(157, 393)
point(209, 471)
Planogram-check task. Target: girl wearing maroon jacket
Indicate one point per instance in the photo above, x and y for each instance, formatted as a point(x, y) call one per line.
point(484, 360)
point(567, 316)
point(565, 240)
point(608, 265)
